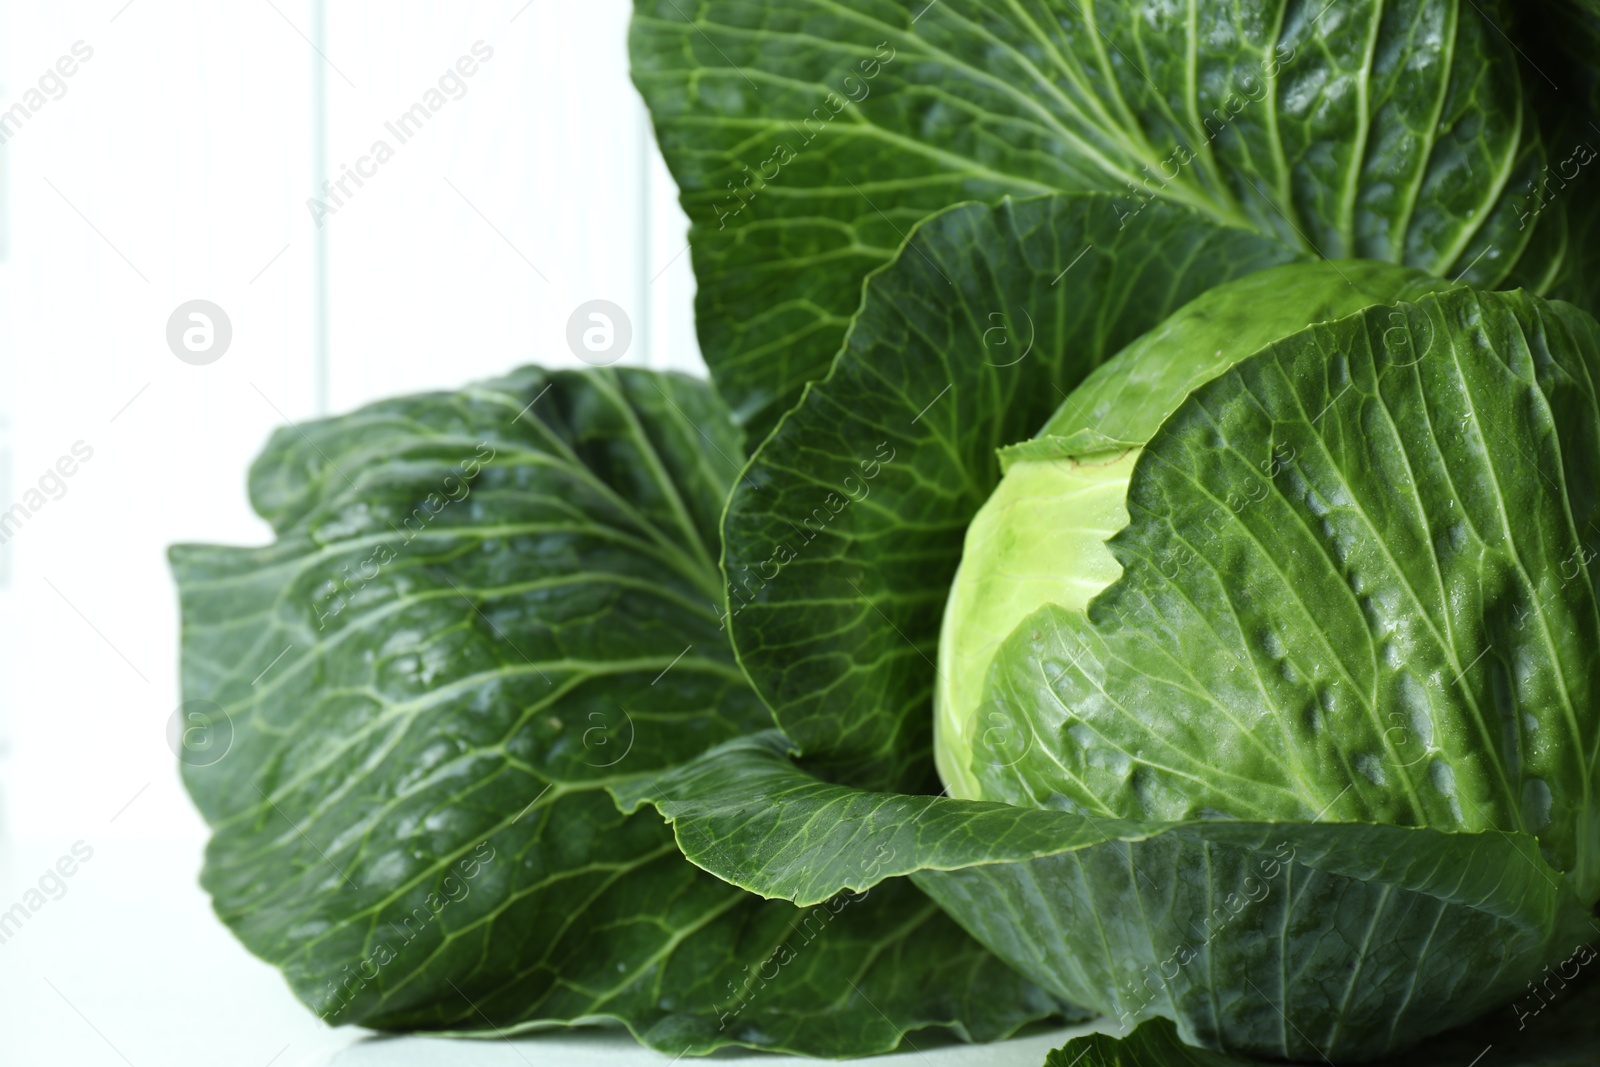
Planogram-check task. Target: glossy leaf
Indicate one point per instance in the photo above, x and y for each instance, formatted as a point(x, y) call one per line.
point(1357, 584)
point(1357, 587)
point(1557, 1027)
point(1285, 939)
point(1041, 536)
point(808, 138)
point(844, 533)
point(482, 609)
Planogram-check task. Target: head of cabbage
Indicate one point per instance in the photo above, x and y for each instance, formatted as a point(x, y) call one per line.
point(1265, 691)
point(1041, 536)
point(1328, 630)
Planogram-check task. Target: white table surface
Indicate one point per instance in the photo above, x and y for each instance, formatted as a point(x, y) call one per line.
point(129, 967)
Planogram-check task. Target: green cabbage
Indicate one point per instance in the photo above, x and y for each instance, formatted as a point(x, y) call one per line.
point(1040, 537)
point(1162, 427)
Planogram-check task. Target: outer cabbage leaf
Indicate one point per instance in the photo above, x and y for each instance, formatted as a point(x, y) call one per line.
point(808, 136)
point(1353, 623)
point(842, 536)
point(481, 609)
point(1153, 1044)
point(1357, 582)
point(1556, 1027)
point(1298, 940)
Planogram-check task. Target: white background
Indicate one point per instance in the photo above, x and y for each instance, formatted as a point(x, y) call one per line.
point(177, 166)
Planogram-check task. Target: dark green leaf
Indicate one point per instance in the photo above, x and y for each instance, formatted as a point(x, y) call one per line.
point(1153, 1044)
point(808, 137)
point(1556, 1026)
point(1369, 937)
point(482, 609)
point(844, 533)
point(1356, 584)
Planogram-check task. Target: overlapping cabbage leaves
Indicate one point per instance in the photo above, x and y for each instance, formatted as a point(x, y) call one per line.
point(1442, 490)
point(809, 139)
point(1558, 1027)
point(435, 681)
point(844, 533)
point(809, 136)
point(1040, 538)
point(1427, 555)
point(482, 610)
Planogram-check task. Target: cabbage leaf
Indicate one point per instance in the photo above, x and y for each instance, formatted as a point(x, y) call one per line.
point(482, 609)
